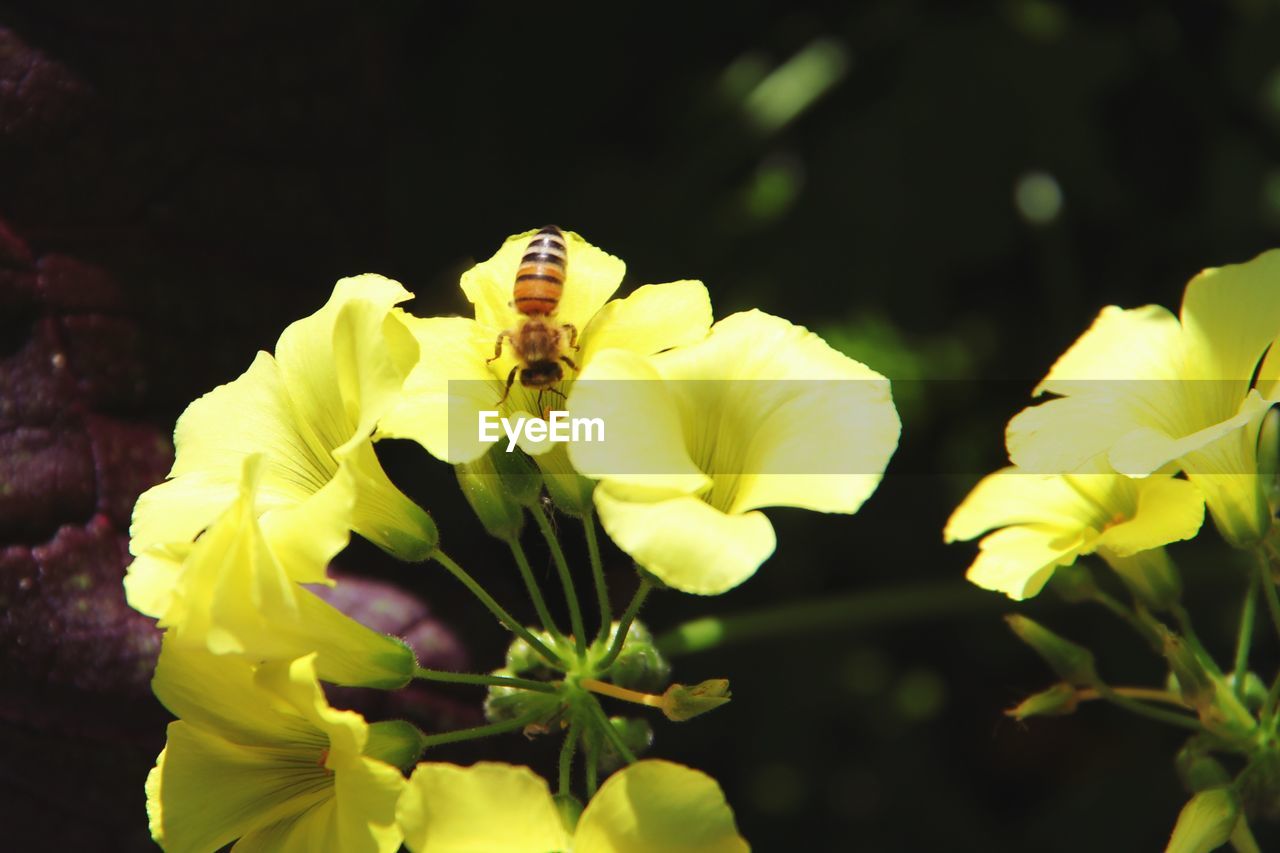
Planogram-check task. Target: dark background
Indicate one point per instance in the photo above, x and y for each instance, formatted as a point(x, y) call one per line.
point(178, 185)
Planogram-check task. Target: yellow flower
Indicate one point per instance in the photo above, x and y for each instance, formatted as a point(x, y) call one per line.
point(761, 413)
point(454, 380)
point(235, 590)
point(649, 806)
point(1048, 520)
point(1155, 394)
point(310, 412)
point(261, 757)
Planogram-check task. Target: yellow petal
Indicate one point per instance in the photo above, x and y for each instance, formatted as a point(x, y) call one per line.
point(1168, 510)
point(1231, 315)
point(1122, 344)
point(658, 805)
point(1019, 561)
point(1012, 496)
point(447, 389)
point(643, 454)
point(488, 806)
point(651, 319)
point(685, 542)
point(206, 791)
point(591, 277)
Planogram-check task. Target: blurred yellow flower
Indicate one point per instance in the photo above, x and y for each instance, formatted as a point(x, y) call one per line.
point(235, 590)
point(260, 756)
point(1155, 394)
point(761, 413)
point(310, 412)
point(649, 806)
point(1048, 520)
point(454, 380)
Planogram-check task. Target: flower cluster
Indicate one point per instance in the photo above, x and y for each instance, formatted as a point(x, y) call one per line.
point(1154, 419)
point(711, 421)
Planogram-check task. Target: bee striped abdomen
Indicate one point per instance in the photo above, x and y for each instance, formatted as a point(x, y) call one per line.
point(540, 277)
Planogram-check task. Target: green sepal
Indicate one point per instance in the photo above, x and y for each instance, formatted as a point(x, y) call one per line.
point(520, 477)
point(1198, 770)
point(1074, 583)
point(639, 666)
point(1259, 785)
point(501, 515)
point(634, 732)
point(682, 702)
point(397, 742)
point(569, 491)
point(503, 703)
point(1072, 662)
point(570, 809)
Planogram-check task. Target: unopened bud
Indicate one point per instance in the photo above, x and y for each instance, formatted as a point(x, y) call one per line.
point(396, 742)
point(1259, 785)
point(1205, 823)
point(1199, 770)
point(521, 479)
point(523, 660)
point(1074, 583)
point(1059, 700)
point(635, 733)
point(1073, 663)
point(504, 703)
point(681, 702)
point(501, 515)
point(1195, 685)
point(1150, 575)
point(639, 665)
point(569, 491)
point(1269, 457)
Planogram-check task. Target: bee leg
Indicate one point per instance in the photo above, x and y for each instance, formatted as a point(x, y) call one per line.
point(569, 362)
point(497, 351)
point(573, 335)
point(511, 377)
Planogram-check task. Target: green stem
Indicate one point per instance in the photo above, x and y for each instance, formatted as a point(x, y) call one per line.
point(566, 580)
point(475, 732)
point(597, 571)
point(487, 680)
point(1128, 617)
point(566, 756)
point(602, 719)
point(859, 611)
point(624, 625)
point(1189, 634)
point(1142, 709)
point(1244, 639)
point(1269, 589)
point(593, 763)
point(535, 592)
point(496, 609)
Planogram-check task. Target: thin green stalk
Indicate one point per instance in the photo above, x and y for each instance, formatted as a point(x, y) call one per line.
point(496, 609)
point(610, 732)
point(1244, 639)
point(915, 602)
point(1189, 634)
point(1142, 709)
point(624, 625)
point(566, 756)
point(593, 763)
point(1269, 589)
point(597, 571)
point(566, 579)
point(1128, 617)
point(535, 592)
point(475, 732)
point(487, 680)
point(1269, 706)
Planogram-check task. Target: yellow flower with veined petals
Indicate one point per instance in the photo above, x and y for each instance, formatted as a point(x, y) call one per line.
point(454, 380)
point(260, 756)
point(1155, 394)
point(235, 590)
point(649, 806)
point(310, 411)
point(761, 413)
point(1048, 520)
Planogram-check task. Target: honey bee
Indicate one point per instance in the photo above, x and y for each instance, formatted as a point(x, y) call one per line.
point(539, 339)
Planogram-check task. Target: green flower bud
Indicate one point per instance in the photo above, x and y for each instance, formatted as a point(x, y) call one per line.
point(1269, 457)
point(1074, 583)
point(1219, 709)
point(639, 666)
point(1255, 692)
point(396, 742)
point(1059, 700)
point(504, 703)
point(1259, 785)
point(570, 810)
point(569, 491)
point(1073, 663)
point(1150, 575)
point(524, 661)
point(501, 515)
point(682, 702)
point(635, 732)
point(1205, 823)
point(520, 477)
point(1198, 770)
